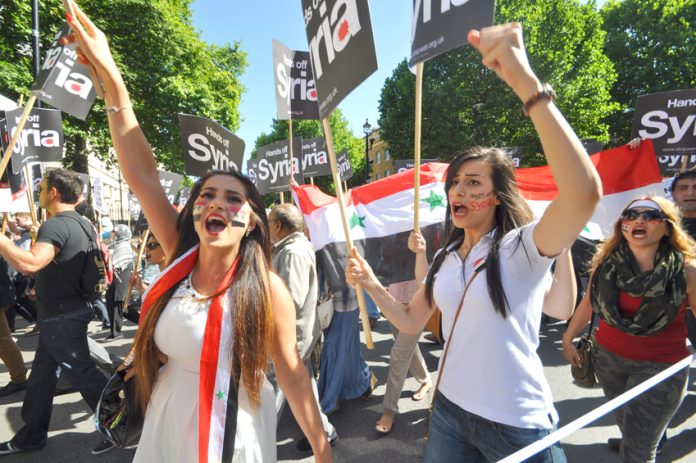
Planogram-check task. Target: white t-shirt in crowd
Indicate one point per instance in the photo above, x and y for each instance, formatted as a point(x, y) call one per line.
point(492, 367)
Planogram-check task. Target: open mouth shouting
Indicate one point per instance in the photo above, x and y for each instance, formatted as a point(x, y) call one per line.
point(459, 209)
point(215, 224)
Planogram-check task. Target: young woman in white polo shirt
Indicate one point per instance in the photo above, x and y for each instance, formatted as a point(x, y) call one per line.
point(492, 398)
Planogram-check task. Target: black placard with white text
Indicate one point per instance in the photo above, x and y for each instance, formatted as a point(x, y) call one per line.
point(274, 164)
point(208, 146)
point(62, 81)
point(438, 26)
point(41, 139)
point(295, 92)
point(339, 34)
point(315, 157)
point(669, 119)
point(170, 183)
point(345, 171)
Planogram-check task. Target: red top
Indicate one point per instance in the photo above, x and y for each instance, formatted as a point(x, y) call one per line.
point(667, 345)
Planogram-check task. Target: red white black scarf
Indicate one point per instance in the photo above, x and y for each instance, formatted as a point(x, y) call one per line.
point(217, 395)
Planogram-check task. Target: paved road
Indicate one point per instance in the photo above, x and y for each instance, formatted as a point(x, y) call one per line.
point(72, 432)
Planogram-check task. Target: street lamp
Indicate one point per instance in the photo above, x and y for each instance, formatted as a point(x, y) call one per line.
point(367, 129)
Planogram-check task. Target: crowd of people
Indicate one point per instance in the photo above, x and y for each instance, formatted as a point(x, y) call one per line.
point(228, 330)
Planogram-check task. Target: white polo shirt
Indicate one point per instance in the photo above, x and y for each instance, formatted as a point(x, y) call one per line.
point(492, 367)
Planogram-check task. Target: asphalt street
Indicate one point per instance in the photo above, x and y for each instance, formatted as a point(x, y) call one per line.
point(72, 433)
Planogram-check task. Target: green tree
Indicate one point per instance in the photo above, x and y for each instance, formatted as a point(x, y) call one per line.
point(652, 44)
point(166, 65)
point(465, 104)
point(342, 137)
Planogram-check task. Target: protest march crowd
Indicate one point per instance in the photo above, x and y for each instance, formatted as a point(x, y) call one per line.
point(238, 312)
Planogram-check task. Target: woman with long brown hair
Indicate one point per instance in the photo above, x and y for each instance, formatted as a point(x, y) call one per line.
point(490, 278)
point(217, 315)
point(643, 281)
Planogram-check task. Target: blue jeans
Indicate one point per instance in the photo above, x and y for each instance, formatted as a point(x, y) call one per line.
point(62, 347)
point(456, 435)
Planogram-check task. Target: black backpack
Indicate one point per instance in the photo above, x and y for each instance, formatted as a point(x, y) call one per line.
point(94, 275)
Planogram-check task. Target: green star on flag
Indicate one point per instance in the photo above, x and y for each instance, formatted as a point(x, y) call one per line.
point(435, 200)
point(220, 395)
point(356, 220)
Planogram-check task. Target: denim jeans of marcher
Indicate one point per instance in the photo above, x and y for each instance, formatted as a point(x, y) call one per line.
point(62, 346)
point(456, 435)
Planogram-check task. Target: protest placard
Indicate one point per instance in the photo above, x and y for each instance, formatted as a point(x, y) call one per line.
point(273, 165)
point(295, 90)
point(345, 171)
point(208, 146)
point(669, 119)
point(41, 139)
point(401, 165)
point(63, 82)
point(442, 25)
point(315, 157)
point(170, 182)
point(341, 46)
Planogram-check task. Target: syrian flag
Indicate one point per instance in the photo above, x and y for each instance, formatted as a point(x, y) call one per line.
point(380, 214)
point(380, 217)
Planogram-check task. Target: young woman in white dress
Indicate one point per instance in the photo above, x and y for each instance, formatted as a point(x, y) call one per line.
point(218, 288)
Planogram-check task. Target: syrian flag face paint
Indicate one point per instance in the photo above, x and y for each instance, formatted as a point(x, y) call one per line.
point(380, 214)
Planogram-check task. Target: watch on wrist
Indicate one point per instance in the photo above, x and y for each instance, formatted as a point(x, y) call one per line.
point(546, 93)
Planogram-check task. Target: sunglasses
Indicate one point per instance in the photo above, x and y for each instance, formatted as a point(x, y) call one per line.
point(651, 215)
point(152, 245)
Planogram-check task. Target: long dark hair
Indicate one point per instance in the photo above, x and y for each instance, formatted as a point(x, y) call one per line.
point(251, 298)
point(512, 212)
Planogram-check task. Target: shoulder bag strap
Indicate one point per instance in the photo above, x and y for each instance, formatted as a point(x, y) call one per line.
point(449, 338)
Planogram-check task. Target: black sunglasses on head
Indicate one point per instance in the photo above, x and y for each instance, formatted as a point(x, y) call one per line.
point(651, 215)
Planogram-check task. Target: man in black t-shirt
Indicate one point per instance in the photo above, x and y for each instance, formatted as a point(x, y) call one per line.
point(684, 195)
point(57, 259)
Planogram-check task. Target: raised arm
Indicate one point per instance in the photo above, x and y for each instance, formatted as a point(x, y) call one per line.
point(292, 375)
point(559, 300)
point(579, 186)
point(135, 157)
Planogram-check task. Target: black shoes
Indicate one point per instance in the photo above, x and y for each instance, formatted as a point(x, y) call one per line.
point(11, 388)
point(6, 448)
point(103, 447)
point(304, 447)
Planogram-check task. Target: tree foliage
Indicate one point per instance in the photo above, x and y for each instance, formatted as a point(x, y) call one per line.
point(166, 65)
point(342, 138)
point(465, 104)
point(652, 44)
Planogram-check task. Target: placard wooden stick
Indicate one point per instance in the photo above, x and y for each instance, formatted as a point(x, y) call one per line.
point(417, 146)
point(346, 229)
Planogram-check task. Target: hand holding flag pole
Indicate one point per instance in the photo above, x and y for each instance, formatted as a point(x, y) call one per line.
point(349, 242)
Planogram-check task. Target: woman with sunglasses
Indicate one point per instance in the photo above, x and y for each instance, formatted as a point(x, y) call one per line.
point(216, 316)
point(643, 281)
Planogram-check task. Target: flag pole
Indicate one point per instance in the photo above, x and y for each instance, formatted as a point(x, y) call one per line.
point(136, 267)
point(18, 131)
point(346, 230)
point(417, 146)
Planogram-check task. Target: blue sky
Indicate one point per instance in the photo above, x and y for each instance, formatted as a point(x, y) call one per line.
point(255, 23)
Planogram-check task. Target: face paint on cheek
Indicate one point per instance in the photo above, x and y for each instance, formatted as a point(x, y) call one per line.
point(482, 205)
point(240, 217)
point(624, 227)
point(480, 196)
point(198, 207)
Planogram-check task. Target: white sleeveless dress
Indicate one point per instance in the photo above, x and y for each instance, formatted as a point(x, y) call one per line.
point(170, 431)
